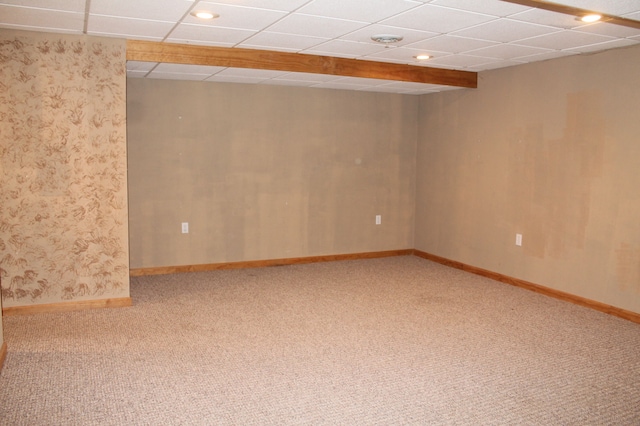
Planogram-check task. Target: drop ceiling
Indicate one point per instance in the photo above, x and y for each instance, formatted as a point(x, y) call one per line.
point(468, 35)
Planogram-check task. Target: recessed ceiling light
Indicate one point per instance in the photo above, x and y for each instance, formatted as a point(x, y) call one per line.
point(204, 14)
point(422, 57)
point(386, 38)
point(593, 17)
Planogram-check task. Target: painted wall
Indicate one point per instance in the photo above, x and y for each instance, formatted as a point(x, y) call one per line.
point(549, 150)
point(266, 172)
point(63, 178)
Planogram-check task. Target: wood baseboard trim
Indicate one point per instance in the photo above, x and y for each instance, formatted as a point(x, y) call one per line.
point(557, 294)
point(67, 306)
point(164, 270)
point(3, 354)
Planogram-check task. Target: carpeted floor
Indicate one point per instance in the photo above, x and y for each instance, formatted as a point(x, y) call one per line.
point(385, 341)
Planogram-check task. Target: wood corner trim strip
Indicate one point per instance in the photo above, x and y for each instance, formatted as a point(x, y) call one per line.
point(189, 54)
point(67, 306)
point(3, 354)
point(556, 294)
point(164, 270)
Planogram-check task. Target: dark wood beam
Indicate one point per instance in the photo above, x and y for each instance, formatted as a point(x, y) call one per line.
point(576, 11)
point(151, 51)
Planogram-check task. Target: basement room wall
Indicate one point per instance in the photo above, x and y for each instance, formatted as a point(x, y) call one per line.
point(548, 150)
point(63, 176)
point(266, 172)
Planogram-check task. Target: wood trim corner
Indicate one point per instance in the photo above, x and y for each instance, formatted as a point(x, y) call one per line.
point(556, 294)
point(3, 354)
point(163, 270)
point(67, 306)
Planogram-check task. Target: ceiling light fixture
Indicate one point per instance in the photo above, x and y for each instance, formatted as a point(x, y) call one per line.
point(386, 38)
point(422, 57)
point(593, 17)
point(204, 14)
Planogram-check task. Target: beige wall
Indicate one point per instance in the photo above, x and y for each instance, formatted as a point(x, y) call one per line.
point(63, 181)
point(549, 150)
point(266, 172)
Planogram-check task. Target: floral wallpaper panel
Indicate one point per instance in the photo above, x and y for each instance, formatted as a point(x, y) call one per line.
point(63, 175)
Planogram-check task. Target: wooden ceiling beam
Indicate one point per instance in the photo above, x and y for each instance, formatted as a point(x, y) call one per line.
point(576, 11)
point(151, 51)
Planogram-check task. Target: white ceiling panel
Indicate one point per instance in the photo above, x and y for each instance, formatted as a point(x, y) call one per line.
point(565, 40)
point(68, 5)
point(549, 19)
point(279, 41)
point(505, 31)
point(488, 7)
point(374, 11)
point(281, 5)
point(214, 36)
point(409, 35)
point(451, 44)
point(508, 51)
point(315, 26)
point(437, 19)
point(245, 18)
point(170, 10)
point(473, 35)
point(611, 7)
point(128, 28)
point(345, 49)
point(40, 19)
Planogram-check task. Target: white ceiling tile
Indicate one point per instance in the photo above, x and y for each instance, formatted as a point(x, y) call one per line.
point(345, 49)
point(40, 19)
point(603, 46)
point(437, 19)
point(279, 41)
point(493, 65)
point(451, 44)
point(611, 30)
point(251, 73)
point(397, 54)
point(315, 26)
point(409, 36)
point(507, 51)
point(374, 11)
point(234, 79)
point(460, 61)
point(177, 76)
point(127, 27)
point(136, 74)
point(635, 16)
point(187, 69)
point(236, 17)
point(505, 31)
point(336, 85)
point(548, 54)
point(611, 7)
point(566, 39)
point(140, 66)
point(488, 7)
point(310, 77)
point(168, 10)
point(545, 17)
point(282, 5)
point(68, 5)
point(212, 35)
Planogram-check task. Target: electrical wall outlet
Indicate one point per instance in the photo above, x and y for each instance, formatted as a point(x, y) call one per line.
point(378, 219)
point(518, 239)
point(185, 227)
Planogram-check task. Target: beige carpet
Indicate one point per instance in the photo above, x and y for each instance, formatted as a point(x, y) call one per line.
point(385, 341)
